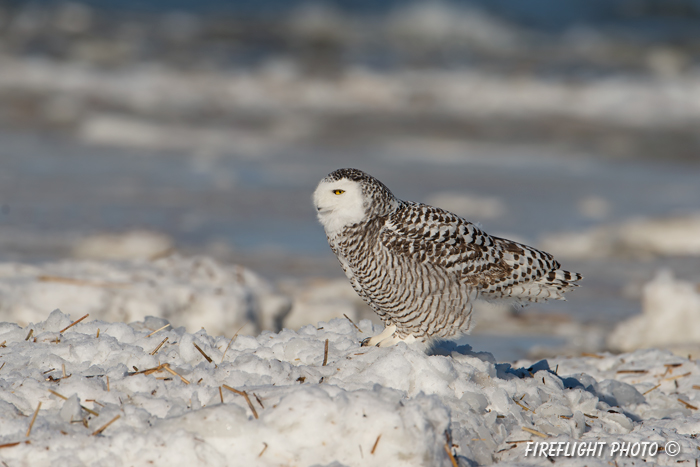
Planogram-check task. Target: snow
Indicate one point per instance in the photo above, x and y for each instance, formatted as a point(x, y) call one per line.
point(670, 317)
point(367, 406)
point(193, 292)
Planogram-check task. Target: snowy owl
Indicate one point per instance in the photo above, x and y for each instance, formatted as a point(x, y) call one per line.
point(419, 267)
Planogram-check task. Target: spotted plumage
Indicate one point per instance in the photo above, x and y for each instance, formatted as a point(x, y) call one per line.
point(420, 268)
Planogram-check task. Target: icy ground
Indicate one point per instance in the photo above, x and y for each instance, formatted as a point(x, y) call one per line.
point(193, 292)
point(366, 406)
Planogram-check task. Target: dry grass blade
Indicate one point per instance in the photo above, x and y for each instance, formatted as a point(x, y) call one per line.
point(58, 395)
point(98, 334)
point(202, 352)
point(226, 386)
point(3, 365)
point(263, 449)
point(9, 445)
point(375, 445)
point(31, 333)
point(593, 355)
point(534, 432)
point(325, 353)
point(167, 368)
point(3, 344)
point(351, 322)
point(221, 395)
point(90, 411)
point(695, 386)
point(107, 383)
point(527, 409)
point(259, 401)
point(104, 427)
point(158, 330)
point(231, 342)
point(649, 390)
point(31, 424)
point(671, 378)
point(512, 446)
point(452, 458)
point(632, 371)
point(245, 395)
point(159, 346)
point(692, 407)
point(149, 371)
point(73, 324)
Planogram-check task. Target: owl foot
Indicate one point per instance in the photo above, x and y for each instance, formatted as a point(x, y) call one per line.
point(386, 333)
point(394, 339)
point(387, 338)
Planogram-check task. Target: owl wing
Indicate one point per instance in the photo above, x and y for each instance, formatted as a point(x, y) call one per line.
point(426, 234)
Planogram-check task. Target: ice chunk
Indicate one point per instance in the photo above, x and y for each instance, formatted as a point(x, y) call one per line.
point(71, 410)
point(617, 393)
point(670, 316)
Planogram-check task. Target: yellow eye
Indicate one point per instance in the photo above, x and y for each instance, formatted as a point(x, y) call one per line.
point(338, 192)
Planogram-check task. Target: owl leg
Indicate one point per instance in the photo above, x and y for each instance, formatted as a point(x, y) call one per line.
point(386, 333)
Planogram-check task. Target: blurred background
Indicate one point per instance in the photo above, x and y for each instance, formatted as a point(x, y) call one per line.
point(135, 130)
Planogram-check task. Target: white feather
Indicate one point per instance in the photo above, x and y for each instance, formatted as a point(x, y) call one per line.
point(336, 211)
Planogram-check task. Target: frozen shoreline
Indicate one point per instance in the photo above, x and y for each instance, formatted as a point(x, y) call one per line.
point(366, 406)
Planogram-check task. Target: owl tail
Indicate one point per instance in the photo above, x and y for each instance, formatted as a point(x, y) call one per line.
point(551, 286)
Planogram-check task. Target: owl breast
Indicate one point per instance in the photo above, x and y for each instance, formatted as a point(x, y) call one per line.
point(420, 298)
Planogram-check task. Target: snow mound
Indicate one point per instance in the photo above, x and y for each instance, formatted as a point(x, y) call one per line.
point(670, 317)
point(679, 235)
point(191, 292)
point(293, 404)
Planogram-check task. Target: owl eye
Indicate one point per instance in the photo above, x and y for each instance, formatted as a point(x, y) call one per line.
point(338, 192)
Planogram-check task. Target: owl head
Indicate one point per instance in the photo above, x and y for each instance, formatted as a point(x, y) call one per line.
point(350, 196)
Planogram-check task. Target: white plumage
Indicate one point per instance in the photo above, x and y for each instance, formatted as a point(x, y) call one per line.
point(420, 268)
